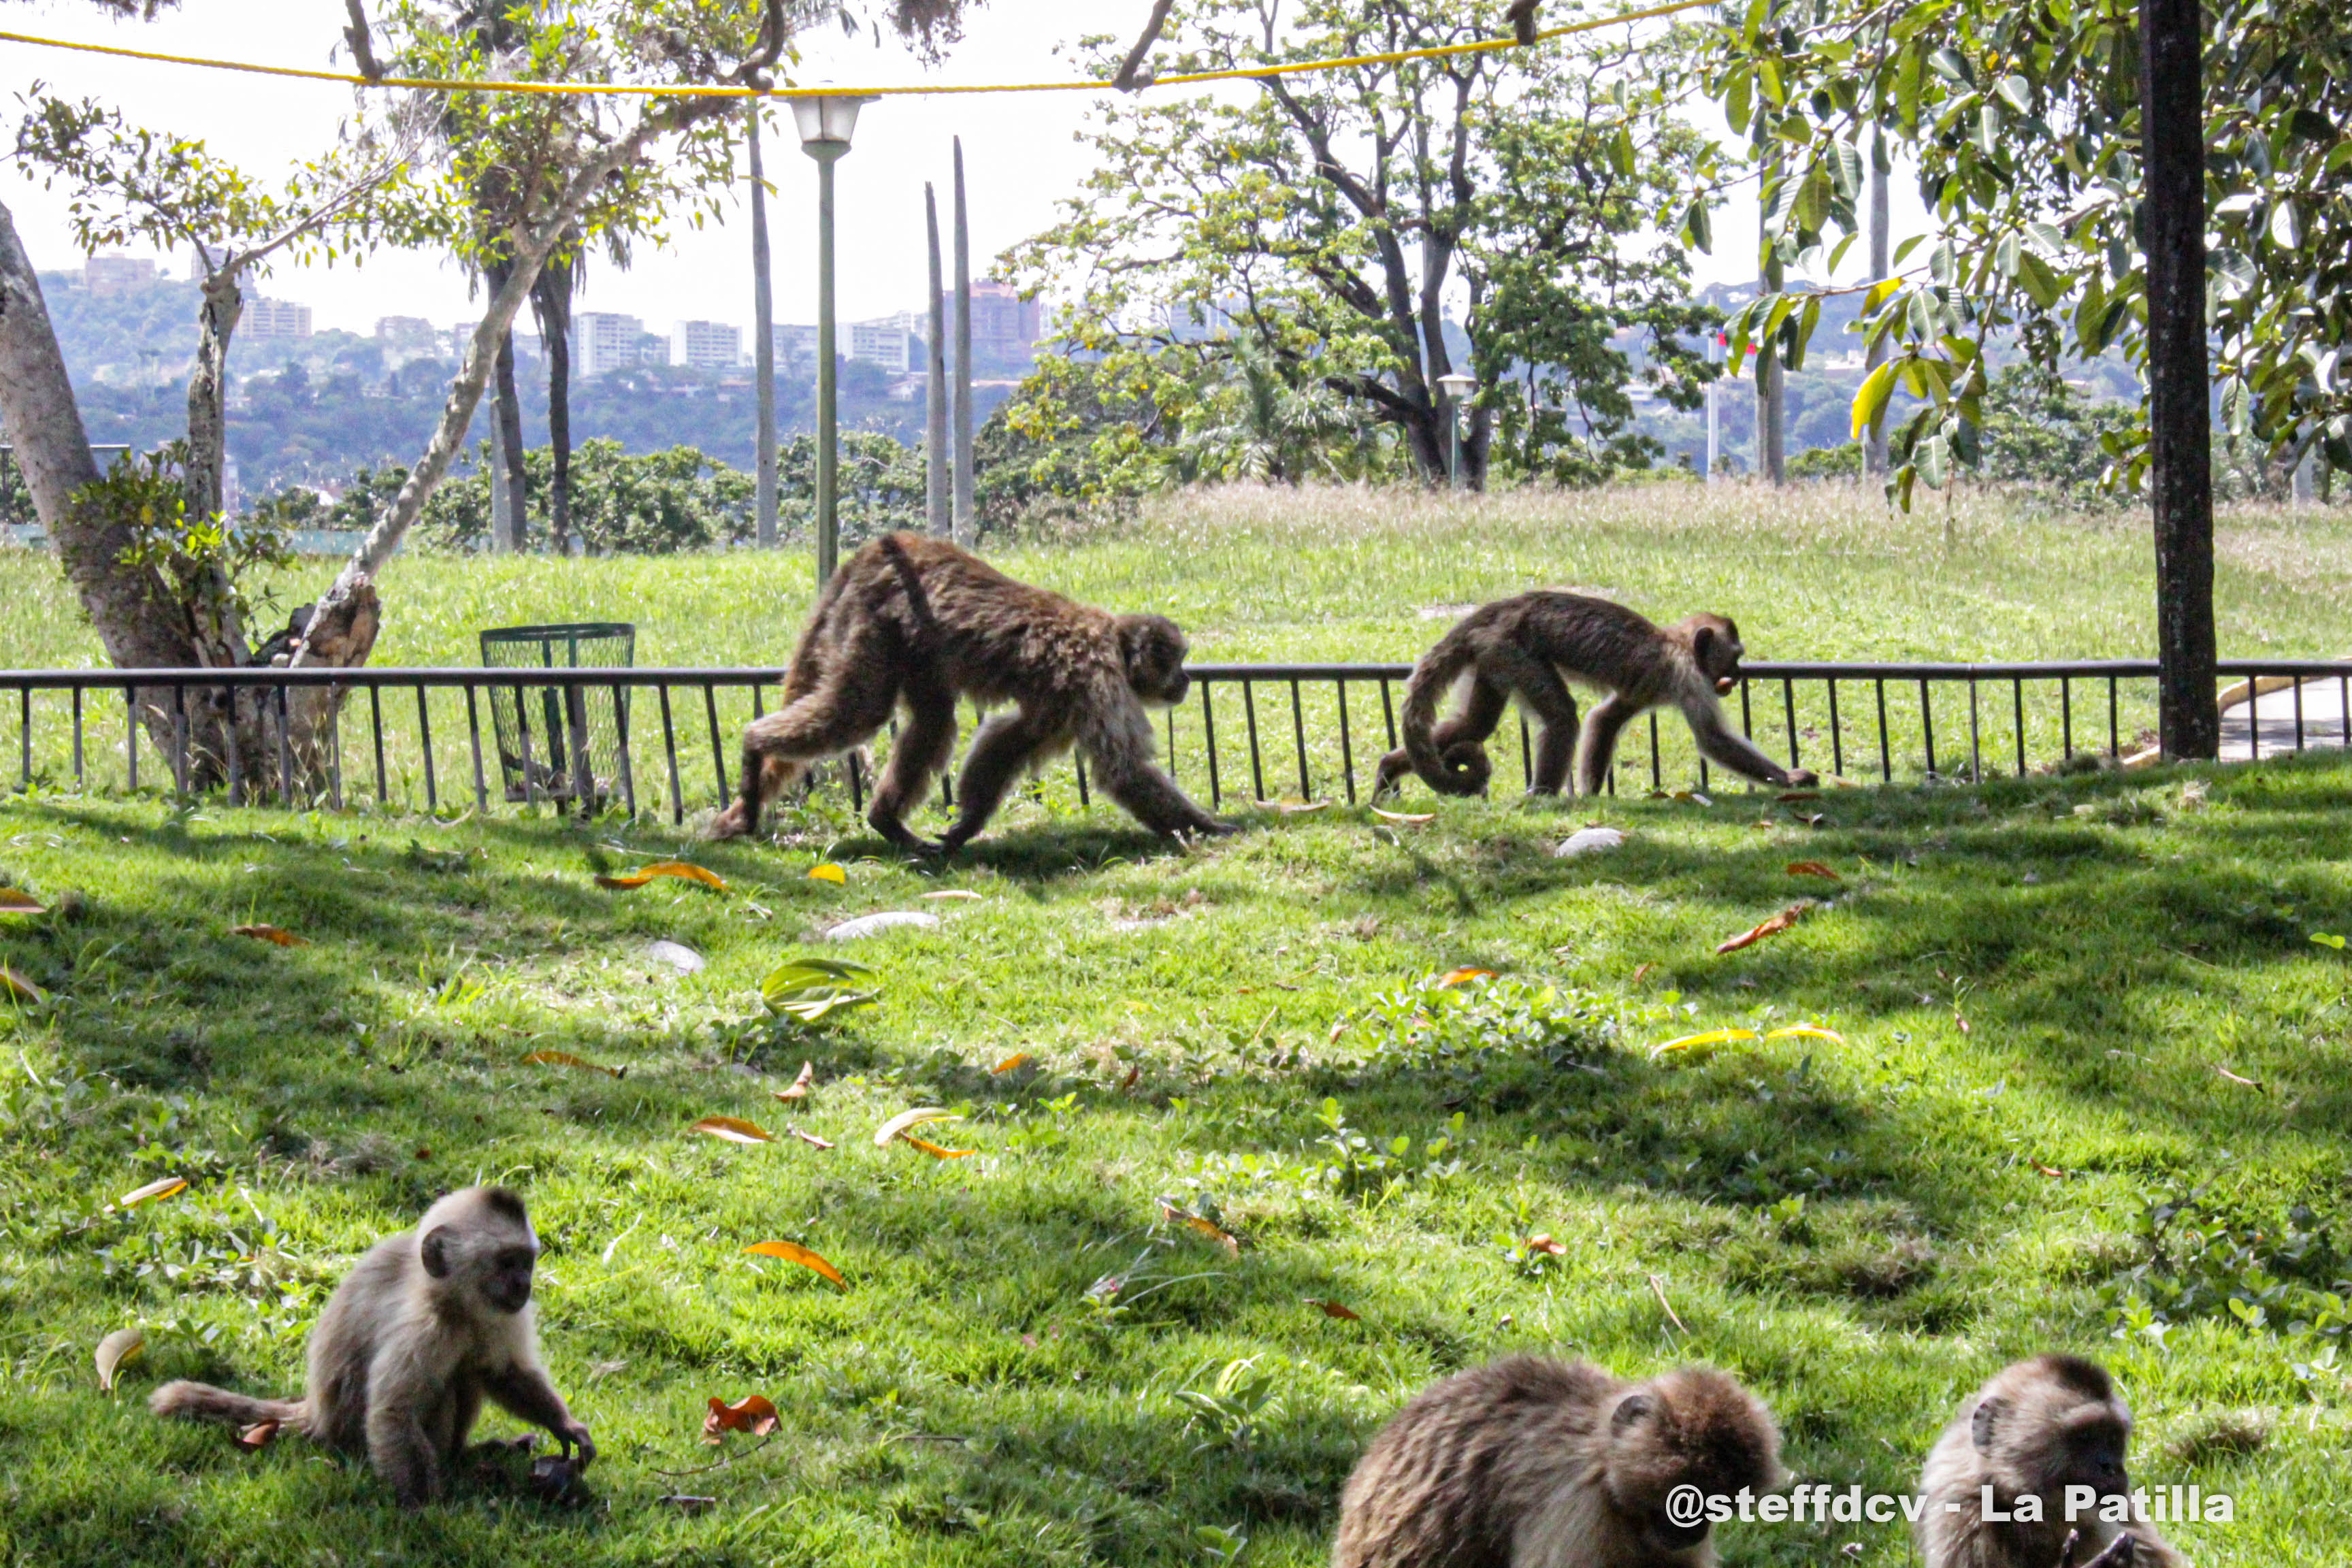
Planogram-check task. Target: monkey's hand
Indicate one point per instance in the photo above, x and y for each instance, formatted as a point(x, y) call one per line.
point(1802, 778)
point(574, 1434)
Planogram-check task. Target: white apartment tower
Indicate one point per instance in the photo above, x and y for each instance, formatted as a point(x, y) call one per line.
point(706, 345)
point(602, 342)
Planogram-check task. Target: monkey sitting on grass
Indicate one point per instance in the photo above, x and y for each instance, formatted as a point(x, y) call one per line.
point(1534, 1463)
point(1529, 646)
point(429, 1324)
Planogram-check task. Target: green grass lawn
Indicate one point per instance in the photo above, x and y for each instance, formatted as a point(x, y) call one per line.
point(2052, 1006)
point(2034, 986)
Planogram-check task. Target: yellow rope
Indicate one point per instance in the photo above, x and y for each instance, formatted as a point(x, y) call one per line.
point(565, 89)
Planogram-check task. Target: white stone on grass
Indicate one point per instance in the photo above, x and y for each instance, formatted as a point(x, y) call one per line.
point(866, 925)
point(1589, 840)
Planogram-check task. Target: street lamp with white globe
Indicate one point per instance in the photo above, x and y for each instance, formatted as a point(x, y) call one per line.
point(826, 121)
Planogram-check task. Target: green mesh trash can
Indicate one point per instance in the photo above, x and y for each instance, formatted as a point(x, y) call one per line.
point(561, 743)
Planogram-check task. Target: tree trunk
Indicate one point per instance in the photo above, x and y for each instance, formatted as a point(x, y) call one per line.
point(1772, 390)
point(505, 407)
point(966, 529)
point(219, 629)
point(551, 298)
point(936, 506)
point(2172, 119)
point(764, 345)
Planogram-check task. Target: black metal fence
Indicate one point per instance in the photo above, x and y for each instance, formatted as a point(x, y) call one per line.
point(1306, 731)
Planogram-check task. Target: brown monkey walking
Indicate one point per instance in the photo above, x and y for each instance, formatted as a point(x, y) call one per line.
point(918, 621)
point(1522, 647)
point(1534, 1463)
point(2037, 1428)
point(427, 1324)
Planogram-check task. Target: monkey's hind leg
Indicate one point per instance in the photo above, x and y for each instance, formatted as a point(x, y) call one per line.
point(841, 713)
point(920, 752)
point(1599, 743)
point(1539, 687)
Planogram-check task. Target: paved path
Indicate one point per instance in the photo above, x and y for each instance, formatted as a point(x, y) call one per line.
point(2273, 717)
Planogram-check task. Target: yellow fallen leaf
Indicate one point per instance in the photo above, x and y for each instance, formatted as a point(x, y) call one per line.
point(933, 1149)
point(15, 985)
point(1810, 1031)
point(162, 1188)
point(1009, 1063)
point(905, 1118)
point(680, 868)
point(1771, 926)
point(13, 902)
point(1712, 1037)
point(1205, 1225)
point(800, 1085)
point(274, 935)
point(1545, 1244)
point(257, 1437)
point(118, 1347)
point(793, 1252)
point(754, 1413)
point(1406, 818)
point(829, 872)
point(733, 1129)
point(1462, 976)
point(566, 1059)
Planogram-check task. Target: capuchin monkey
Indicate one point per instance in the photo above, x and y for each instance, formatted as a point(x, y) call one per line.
point(1523, 646)
point(1534, 1463)
point(1522, 13)
point(2036, 1429)
point(921, 622)
point(429, 1324)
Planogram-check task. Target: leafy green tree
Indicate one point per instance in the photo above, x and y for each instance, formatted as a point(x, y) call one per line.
point(1372, 227)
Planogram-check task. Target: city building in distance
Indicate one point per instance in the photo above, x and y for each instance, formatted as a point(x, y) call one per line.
point(706, 345)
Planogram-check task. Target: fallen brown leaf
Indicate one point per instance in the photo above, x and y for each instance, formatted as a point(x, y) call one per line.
point(118, 1347)
point(566, 1059)
point(274, 935)
point(898, 1125)
point(2045, 1169)
point(15, 985)
point(1544, 1243)
point(1812, 868)
point(793, 1252)
point(800, 1087)
point(953, 893)
point(1208, 1227)
point(1774, 926)
point(809, 1138)
point(2233, 1077)
point(754, 1413)
point(256, 1437)
point(1334, 1310)
point(690, 1506)
point(683, 869)
point(1641, 973)
point(1406, 818)
point(734, 1129)
point(13, 902)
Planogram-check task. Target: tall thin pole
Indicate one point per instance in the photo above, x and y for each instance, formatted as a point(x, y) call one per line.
point(1714, 346)
point(1453, 444)
point(504, 535)
point(1771, 392)
point(966, 531)
point(1874, 438)
point(2180, 426)
point(828, 537)
point(936, 510)
point(763, 348)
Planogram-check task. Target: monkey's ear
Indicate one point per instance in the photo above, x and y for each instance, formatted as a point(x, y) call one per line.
point(1633, 1407)
point(1702, 646)
point(1990, 1413)
point(433, 1251)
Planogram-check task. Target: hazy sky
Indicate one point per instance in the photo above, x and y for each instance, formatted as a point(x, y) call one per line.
point(1019, 155)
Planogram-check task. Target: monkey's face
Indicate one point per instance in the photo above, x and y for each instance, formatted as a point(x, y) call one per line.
point(496, 1265)
point(1690, 1429)
point(2090, 1453)
point(1152, 649)
point(1715, 642)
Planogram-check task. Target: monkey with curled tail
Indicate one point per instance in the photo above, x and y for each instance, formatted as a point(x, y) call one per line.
point(429, 1324)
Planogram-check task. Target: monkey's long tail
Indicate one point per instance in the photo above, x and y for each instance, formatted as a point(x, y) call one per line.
point(203, 1401)
point(1462, 768)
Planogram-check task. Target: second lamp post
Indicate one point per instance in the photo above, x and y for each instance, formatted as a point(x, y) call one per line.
point(824, 123)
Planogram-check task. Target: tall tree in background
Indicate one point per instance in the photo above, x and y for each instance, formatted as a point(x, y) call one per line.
point(1368, 224)
point(2036, 151)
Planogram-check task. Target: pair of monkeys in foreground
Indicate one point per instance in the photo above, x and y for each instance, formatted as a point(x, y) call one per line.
point(1525, 1463)
point(915, 622)
point(1534, 1462)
